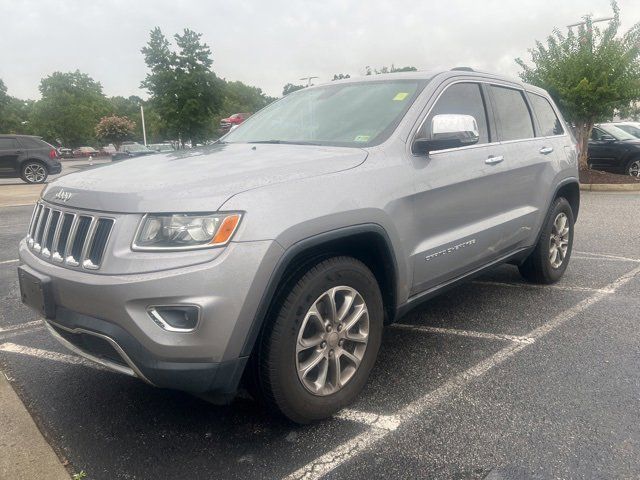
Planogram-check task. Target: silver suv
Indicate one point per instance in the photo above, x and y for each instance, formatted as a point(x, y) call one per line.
point(277, 255)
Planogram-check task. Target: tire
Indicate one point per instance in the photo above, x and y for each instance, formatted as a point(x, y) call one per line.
point(34, 172)
point(542, 265)
point(304, 397)
point(633, 167)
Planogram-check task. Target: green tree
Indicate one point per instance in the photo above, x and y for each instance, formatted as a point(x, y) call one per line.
point(15, 114)
point(590, 74)
point(392, 69)
point(114, 129)
point(340, 76)
point(290, 88)
point(71, 105)
point(185, 93)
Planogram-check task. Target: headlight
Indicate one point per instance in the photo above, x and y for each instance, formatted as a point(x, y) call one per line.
point(185, 231)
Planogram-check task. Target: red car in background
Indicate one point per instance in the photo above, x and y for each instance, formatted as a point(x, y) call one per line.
point(236, 119)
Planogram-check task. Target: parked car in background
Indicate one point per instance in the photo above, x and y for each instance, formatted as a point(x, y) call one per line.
point(614, 150)
point(65, 152)
point(130, 150)
point(284, 249)
point(630, 127)
point(27, 157)
point(85, 152)
point(234, 120)
point(161, 147)
point(108, 149)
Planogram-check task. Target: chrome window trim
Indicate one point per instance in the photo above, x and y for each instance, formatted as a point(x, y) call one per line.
point(478, 145)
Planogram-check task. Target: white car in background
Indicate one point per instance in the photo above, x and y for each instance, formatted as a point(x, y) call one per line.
point(630, 127)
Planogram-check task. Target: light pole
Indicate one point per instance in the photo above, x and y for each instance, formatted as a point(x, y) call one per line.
point(144, 130)
point(604, 19)
point(308, 79)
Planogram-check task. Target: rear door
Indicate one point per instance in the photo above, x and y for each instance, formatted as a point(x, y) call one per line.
point(10, 151)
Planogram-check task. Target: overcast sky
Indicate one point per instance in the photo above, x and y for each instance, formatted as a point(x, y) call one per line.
point(268, 43)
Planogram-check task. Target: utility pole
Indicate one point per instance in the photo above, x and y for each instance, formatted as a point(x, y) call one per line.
point(596, 20)
point(144, 130)
point(308, 79)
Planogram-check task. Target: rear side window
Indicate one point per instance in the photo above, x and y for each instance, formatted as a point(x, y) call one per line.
point(513, 117)
point(461, 99)
point(8, 144)
point(31, 142)
point(547, 119)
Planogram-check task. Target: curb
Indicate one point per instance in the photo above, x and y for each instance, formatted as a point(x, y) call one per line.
point(611, 187)
point(25, 452)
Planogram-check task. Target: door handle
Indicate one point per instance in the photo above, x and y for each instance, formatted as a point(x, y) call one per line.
point(546, 150)
point(493, 160)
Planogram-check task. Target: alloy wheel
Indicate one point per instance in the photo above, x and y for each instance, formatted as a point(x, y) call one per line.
point(35, 173)
point(559, 240)
point(332, 340)
point(634, 168)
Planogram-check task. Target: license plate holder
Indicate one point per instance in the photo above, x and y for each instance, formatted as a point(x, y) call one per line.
point(35, 292)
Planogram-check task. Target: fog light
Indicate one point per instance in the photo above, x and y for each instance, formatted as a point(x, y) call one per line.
point(175, 318)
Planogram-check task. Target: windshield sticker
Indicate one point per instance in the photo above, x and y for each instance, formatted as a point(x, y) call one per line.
point(362, 138)
point(400, 96)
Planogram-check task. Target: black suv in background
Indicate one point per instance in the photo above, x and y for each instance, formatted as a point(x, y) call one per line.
point(30, 158)
point(614, 150)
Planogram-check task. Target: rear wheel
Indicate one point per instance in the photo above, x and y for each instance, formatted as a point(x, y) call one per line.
point(550, 258)
point(317, 354)
point(34, 172)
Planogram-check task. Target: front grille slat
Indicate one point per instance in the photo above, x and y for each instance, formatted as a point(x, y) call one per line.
point(77, 240)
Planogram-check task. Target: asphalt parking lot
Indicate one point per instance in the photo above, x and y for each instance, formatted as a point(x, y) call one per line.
point(496, 379)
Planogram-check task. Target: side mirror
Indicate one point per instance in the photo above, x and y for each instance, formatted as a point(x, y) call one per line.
point(449, 131)
point(607, 138)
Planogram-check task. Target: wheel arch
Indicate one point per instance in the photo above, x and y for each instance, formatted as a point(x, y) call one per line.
point(570, 189)
point(368, 243)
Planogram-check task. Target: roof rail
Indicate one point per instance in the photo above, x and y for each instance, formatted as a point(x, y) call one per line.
point(462, 69)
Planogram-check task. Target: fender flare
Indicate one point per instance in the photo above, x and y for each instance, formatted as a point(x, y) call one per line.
point(298, 248)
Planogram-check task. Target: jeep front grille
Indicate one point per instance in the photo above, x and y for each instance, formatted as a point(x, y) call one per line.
point(71, 238)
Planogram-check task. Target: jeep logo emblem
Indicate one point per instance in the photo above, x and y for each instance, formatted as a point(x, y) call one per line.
point(63, 196)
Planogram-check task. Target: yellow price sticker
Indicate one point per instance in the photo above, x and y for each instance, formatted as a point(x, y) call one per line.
point(400, 96)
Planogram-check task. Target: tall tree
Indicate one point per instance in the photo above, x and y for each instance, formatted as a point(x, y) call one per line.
point(590, 74)
point(72, 104)
point(15, 114)
point(290, 88)
point(185, 93)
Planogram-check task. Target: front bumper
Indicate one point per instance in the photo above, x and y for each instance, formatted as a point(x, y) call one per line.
point(113, 310)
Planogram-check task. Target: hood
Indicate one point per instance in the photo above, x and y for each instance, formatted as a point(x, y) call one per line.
point(195, 180)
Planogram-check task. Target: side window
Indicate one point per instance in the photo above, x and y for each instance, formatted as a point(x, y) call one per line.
point(462, 99)
point(596, 134)
point(547, 119)
point(513, 117)
point(8, 144)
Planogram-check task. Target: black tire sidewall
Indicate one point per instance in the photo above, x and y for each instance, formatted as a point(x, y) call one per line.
point(628, 166)
point(561, 205)
point(291, 397)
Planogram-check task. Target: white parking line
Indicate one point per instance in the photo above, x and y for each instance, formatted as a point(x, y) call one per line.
point(384, 422)
point(353, 447)
point(22, 326)
point(569, 288)
point(602, 256)
point(464, 333)
point(44, 354)
point(6, 262)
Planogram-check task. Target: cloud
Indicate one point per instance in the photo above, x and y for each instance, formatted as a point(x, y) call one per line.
point(270, 43)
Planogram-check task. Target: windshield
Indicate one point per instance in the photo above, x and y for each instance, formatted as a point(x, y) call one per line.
point(617, 133)
point(635, 131)
point(348, 114)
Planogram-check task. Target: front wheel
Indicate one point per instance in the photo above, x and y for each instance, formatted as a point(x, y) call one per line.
point(34, 172)
point(550, 258)
point(317, 354)
point(633, 168)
